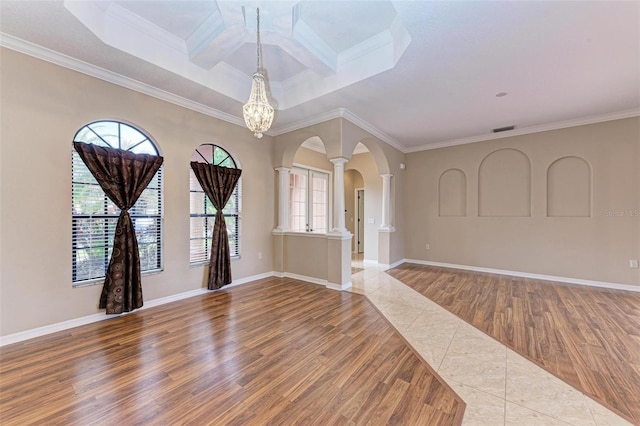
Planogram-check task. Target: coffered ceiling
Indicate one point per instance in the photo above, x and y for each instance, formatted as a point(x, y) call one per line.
point(417, 74)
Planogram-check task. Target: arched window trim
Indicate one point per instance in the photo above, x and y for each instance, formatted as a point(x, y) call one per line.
point(92, 231)
point(199, 234)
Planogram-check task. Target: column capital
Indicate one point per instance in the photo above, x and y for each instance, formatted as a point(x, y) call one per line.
point(386, 176)
point(338, 161)
point(283, 169)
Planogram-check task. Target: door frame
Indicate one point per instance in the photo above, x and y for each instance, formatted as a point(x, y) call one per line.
point(356, 227)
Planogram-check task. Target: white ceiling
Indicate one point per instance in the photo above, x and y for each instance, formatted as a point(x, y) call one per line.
point(417, 74)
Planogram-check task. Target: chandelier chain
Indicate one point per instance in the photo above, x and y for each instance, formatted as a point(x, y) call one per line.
point(258, 43)
point(258, 114)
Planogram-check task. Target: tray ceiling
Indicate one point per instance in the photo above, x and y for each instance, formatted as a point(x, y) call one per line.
point(417, 74)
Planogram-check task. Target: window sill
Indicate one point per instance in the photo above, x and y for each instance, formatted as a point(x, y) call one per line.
point(306, 234)
point(206, 262)
point(96, 281)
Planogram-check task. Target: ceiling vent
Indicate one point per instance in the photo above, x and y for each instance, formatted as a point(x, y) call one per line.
point(503, 129)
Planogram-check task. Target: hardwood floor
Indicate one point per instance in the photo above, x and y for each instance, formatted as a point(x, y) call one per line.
point(277, 351)
point(589, 337)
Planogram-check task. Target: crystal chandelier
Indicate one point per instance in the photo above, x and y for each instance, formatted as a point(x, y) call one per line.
point(258, 114)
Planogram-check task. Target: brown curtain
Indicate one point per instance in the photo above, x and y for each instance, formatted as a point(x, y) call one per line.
point(123, 176)
point(218, 183)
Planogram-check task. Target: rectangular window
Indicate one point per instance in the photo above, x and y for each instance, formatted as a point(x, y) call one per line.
point(203, 216)
point(94, 219)
point(308, 201)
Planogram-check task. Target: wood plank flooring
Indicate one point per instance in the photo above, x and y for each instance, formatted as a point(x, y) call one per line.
point(587, 336)
point(277, 351)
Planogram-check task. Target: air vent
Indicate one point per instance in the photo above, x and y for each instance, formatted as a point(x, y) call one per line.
point(504, 129)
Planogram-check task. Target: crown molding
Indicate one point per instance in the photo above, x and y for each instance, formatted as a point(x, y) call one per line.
point(339, 113)
point(68, 62)
point(532, 129)
point(368, 127)
point(42, 53)
point(316, 119)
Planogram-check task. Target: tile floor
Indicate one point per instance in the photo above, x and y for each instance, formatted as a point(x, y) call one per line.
point(499, 386)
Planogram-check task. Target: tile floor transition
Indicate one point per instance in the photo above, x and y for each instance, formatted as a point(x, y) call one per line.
point(498, 385)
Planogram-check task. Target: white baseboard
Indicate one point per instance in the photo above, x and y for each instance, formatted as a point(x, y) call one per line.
point(393, 265)
point(579, 281)
point(339, 287)
point(252, 278)
point(311, 280)
point(76, 322)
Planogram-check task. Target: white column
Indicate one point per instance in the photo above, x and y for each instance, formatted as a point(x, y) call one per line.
point(283, 199)
point(338, 196)
point(386, 203)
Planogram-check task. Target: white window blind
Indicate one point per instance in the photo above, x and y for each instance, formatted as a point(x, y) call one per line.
point(202, 212)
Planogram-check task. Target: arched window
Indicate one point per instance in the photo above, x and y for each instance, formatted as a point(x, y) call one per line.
point(94, 215)
point(202, 212)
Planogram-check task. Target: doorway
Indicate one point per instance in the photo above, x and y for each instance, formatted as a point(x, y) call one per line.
point(360, 220)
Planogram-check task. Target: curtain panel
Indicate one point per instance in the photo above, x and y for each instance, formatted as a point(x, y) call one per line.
point(218, 184)
point(123, 175)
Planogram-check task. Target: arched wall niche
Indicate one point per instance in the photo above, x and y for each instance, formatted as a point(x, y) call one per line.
point(569, 188)
point(504, 184)
point(452, 193)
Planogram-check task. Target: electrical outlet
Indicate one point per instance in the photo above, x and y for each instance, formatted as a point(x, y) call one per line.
point(259, 255)
point(633, 263)
point(427, 246)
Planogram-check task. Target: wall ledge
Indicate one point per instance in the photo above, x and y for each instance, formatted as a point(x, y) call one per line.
point(386, 229)
point(568, 280)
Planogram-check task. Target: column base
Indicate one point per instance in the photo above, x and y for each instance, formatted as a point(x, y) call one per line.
point(341, 234)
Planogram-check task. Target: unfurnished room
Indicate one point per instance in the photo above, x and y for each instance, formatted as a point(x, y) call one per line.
point(319, 212)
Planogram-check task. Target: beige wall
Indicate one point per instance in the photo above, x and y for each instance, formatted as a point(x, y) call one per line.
point(42, 106)
point(306, 255)
point(313, 159)
point(559, 228)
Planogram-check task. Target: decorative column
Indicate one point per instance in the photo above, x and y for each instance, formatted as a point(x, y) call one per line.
point(339, 239)
point(338, 196)
point(283, 199)
point(386, 203)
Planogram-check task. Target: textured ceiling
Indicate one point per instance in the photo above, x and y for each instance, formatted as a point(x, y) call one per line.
point(417, 74)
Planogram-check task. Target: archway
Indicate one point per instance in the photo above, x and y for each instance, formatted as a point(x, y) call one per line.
point(336, 141)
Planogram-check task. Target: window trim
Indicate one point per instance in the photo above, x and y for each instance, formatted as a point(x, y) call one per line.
point(329, 174)
point(238, 214)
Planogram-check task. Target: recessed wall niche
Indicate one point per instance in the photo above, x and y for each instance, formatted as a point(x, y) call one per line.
point(452, 193)
point(569, 188)
point(504, 184)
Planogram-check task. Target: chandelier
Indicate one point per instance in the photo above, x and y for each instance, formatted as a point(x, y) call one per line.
point(258, 114)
